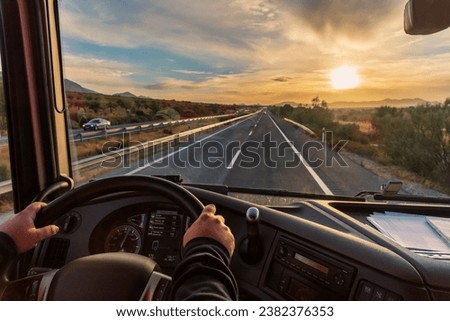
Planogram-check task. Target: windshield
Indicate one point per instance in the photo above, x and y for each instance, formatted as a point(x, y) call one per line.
point(310, 96)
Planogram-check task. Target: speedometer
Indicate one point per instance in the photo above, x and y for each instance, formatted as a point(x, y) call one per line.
point(123, 238)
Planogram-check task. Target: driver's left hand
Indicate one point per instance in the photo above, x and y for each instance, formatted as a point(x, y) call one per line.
point(22, 230)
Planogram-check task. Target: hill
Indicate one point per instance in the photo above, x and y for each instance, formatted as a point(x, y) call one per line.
point(73, 86)
point(406, 102)
point(125, 94)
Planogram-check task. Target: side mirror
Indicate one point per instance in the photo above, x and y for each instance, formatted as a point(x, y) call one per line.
point(423, 17)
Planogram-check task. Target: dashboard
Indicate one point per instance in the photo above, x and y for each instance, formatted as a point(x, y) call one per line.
point(149, 226)
point(311, 250)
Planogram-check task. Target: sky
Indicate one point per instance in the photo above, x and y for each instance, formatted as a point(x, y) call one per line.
point(252, 51)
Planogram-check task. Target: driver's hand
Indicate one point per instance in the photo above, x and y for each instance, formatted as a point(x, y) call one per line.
point(21, 228)
point(213, 226)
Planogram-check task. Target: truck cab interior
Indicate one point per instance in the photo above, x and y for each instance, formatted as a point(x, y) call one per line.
point(315, 244)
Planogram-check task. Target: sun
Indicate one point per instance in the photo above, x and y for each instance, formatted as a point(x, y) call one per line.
point(344, 77)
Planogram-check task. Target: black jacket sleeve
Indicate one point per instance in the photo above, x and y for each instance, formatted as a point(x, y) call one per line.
point(203, 274)
point(8, 249)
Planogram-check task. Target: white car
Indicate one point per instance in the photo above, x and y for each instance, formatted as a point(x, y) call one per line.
point(96, 124)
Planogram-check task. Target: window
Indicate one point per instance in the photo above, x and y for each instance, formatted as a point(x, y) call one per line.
point(335, 108)
point(6, 202)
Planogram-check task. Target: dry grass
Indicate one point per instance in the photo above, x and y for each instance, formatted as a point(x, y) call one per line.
point(6, 200)
point(95, 146)
point(364, 126)
point(412, 182)
point(6, 203)
point(5, 165)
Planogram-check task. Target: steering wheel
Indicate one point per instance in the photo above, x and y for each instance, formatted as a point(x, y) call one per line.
point(95, 277)
point(118, 184)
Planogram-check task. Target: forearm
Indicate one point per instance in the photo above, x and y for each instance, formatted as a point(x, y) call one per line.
point(8, 249)
point(204, 273)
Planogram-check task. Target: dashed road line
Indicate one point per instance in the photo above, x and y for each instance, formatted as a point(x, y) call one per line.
point(311, 171)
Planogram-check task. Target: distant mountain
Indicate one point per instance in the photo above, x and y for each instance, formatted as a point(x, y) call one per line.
point(292, 103)
point(407, 102)
point(73, 86)
point(126, 94)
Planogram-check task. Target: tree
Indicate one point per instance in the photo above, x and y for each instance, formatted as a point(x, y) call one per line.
point(286, 110)
point(416, 139)
point(447, 102)
point(111, 105)
point(154, 106)
point(94, 105)
point(315, 101)
point(167, 114)
point(124, 103)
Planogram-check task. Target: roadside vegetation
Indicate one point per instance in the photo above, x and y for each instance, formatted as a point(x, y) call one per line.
point(126, 110)
point(414, 139)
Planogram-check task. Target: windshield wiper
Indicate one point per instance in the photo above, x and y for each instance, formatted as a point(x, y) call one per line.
point(411, 198)
point(224, 189)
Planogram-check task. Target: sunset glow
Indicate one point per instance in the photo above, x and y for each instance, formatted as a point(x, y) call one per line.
point(344, 77)
point(253, 51)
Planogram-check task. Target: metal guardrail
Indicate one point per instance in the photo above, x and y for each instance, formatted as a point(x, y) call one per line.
point(86, 163)
point(306, 130)
point(5, 187)
point(82, 136)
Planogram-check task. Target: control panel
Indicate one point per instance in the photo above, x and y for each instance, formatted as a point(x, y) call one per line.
point(300, 273)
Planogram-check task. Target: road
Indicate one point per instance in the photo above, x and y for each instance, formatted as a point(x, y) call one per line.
point(262, 152)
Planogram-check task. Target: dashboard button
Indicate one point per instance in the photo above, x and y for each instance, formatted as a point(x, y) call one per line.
point(339, 279)
point(378, 294)
point(366, 291)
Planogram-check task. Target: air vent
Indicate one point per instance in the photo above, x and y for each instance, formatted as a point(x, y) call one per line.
point(56, 253)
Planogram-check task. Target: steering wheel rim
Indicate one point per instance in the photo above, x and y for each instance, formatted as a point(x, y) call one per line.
point(117, 184)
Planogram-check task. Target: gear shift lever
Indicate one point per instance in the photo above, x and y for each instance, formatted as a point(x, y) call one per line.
point(251, 250)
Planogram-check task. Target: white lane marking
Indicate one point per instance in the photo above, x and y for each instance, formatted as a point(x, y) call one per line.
point(230, 166)
point(235, 157)
point(183, 148)
point(311, 171)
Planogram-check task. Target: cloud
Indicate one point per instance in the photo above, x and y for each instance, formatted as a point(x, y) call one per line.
point(357, 20)
point(174, 84)
point(238, 35)
point(246, 50)
point(98, 74)
point(192, 72)
point(282, 79)
point(176, 25)
point(159, 86)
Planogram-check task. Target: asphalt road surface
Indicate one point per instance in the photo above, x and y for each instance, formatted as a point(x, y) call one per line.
point(262, 152)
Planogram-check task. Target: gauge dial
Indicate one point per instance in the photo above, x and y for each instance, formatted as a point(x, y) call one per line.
point(123, 238)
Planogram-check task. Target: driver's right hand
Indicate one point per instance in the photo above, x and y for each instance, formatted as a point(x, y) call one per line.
point(213, 226)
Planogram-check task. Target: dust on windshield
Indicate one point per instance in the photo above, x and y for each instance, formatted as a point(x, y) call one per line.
point(311, 96)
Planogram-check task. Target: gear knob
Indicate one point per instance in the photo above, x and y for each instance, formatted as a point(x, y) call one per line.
point(251, 250)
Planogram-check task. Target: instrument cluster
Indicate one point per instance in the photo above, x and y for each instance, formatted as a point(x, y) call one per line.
point(152, 229)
